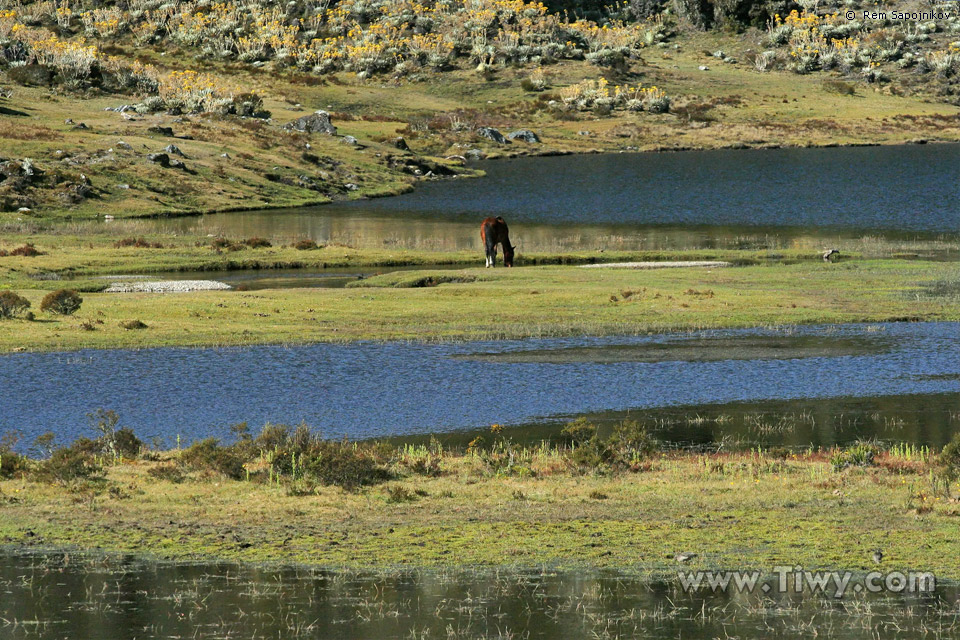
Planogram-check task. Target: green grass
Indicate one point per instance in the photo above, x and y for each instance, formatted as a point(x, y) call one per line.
point(501, 303)
point(736, 510)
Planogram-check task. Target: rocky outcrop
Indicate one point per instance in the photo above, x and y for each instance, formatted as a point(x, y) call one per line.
point(492, 134)
point(316, 122)
point(526, 135)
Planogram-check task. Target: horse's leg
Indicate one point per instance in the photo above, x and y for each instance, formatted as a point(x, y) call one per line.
point(491, 253)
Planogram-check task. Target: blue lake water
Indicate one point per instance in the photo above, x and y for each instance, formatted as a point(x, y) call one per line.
point(698, 199)
point(373, 390)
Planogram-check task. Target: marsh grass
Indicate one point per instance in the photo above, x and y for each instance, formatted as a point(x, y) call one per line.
point(290, 482)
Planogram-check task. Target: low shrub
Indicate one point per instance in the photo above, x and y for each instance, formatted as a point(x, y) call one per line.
point(859, 455)
point(64, 302)
point(115, 442)
point(137, 243)
point(626, 449)
point(257, 243)
point(131, 325)
point(221, 244)
point(26, 251)
point(168, 472)
point(305, 245)
point(948, 464)
point(208, 455)
point(67, 465)
point(11, 462)
point(346, 465)
point(12, 305)
point(578, 432)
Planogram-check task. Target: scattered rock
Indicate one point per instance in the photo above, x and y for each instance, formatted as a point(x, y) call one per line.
point(126, 146)
point(491, 134)
point(159, 158)
point(348, 140)
point(473, 154)
point(177, 164)
point(703, 67)
point(350, 186)
point(584, 133)
point(524, 134)
point(123, 186)
point(174, 150)
point(316, 122)
point(401, 144)
point(162, 131)
point(828, 255)
point(79, 127)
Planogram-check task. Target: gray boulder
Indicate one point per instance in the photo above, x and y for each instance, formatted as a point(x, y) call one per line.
point(316, 122)
point(523, 134)
point(161, 159)
point(174, 150)
point(491, 134)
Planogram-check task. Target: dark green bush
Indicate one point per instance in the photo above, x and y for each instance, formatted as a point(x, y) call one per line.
point(208, 455)
point(345, 465)
point(11, 462)
point(64, 302)
point(12, 305)
point(113, 441)
point(948, 462)
point(625, 449)
point(67, 465)
point(578, 432)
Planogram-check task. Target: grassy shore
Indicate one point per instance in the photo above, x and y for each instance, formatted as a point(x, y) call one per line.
point(505, 505)
point(476, 303)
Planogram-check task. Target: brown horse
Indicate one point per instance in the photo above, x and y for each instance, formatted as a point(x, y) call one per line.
point(493, 231)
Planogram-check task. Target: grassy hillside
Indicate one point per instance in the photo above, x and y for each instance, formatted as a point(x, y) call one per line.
point(225, 79)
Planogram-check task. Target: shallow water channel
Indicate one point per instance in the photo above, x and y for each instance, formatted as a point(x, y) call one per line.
point(53, 596)
point(369, 390)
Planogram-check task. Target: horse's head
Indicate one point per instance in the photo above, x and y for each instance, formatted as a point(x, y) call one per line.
point(508, 254)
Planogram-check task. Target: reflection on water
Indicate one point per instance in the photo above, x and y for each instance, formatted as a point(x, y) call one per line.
point(747, 199)
point(373, 390)
point(922, 419)
point(56, 596)
point(712, 349)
